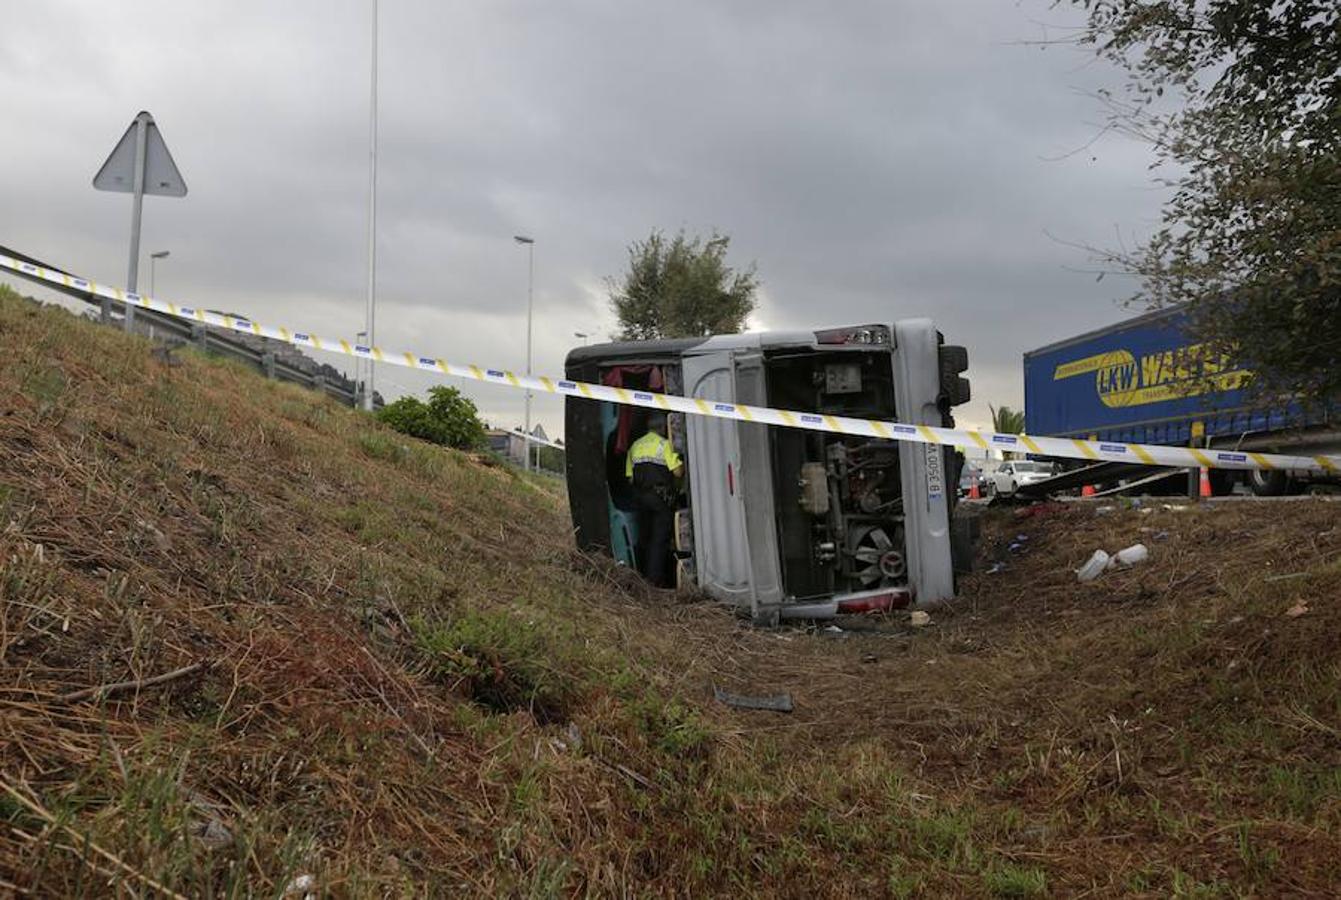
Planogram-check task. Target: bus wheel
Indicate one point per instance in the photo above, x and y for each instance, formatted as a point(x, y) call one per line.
point(1265, 483)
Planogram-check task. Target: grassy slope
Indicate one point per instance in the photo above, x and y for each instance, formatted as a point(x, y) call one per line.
point(415, 685)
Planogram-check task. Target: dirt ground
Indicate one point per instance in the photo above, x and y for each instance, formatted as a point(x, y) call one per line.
point(1183, 713)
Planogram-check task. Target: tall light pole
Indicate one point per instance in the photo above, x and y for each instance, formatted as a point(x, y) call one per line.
point(372, 215)
point(582, 336)
point(153, 269)
point(361, 337)
point(530, 305)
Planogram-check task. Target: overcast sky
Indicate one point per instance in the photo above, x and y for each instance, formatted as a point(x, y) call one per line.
point(876, 159)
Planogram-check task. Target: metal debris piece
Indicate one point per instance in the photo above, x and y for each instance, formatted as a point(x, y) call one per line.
point(776, 703)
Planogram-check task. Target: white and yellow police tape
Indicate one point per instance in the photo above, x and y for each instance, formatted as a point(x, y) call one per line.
point(1069, 448)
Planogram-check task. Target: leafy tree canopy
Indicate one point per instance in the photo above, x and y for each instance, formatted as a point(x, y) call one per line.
point(1006, 420)
point(682, 287)
point(1251, 237)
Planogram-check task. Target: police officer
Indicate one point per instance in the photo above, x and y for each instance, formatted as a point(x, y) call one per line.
point(652, 467)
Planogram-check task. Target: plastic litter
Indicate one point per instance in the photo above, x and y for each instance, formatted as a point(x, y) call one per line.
point(1130, 556)
point(303, 884)
point(212, 833)
point(1094, 567)
point(919, 618)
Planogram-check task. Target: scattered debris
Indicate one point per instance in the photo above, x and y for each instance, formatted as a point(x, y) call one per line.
point(1175, 507)
point(1296, 611)
point(106, 690)
point(919, 618)
point(1103, 510)
point(159, 539)
point(774, 703)
point(641, 780)
point(212, 833)
point(303, 884)
point(1094, 567)
point(1129, 556)
point(868, 658)
point(1039, 510)
point(996, 567)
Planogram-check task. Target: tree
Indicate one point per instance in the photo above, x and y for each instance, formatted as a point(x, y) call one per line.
point(1251, 235)
point(1006, 420)
point(448, 418)
point(682, 288)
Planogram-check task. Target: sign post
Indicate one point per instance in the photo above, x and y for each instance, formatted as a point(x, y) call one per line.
point(139, 164)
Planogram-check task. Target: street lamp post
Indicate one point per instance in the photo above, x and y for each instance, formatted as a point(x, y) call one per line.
point(359, 386)
point(372, 213)
point(153, 269)
point(582, 336)
point(530, 306)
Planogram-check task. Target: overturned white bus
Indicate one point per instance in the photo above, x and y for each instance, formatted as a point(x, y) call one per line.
point(784, 522)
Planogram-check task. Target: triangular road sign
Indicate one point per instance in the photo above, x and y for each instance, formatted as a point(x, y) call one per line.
point(160, 172)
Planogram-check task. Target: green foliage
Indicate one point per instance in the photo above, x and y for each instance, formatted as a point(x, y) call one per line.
point(501, 663)
point(448, 418)
point(1251, 238)
point(1006, 420)
point(1015, 881)
point(551, 459)
point(682, 288)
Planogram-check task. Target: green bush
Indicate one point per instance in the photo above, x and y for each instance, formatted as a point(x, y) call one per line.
point(448, 418)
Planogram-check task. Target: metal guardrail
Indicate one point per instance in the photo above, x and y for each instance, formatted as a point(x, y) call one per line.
point(213, 340)
point(210, 340)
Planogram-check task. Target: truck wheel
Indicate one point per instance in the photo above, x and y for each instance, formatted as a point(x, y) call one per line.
point(1265, 483)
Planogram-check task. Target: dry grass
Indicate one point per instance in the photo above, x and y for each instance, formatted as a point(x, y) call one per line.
point(410, 684)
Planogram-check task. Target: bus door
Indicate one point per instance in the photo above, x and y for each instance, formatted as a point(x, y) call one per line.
point(735, 539)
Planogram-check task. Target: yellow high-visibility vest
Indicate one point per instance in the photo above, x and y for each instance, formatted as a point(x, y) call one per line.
point(651, 448)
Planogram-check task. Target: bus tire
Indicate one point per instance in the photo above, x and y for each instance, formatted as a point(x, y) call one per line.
point(1267, 483)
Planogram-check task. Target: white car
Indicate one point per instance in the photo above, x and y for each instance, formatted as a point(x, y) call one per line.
point(1010, 475)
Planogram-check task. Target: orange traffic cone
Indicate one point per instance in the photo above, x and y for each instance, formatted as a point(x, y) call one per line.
point(1205, 490)
point(974, 493)
point(1087, 491)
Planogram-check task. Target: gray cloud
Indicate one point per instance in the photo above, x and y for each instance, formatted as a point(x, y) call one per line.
point(876, 159)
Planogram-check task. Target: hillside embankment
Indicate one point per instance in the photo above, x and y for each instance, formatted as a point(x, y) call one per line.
point(252, 642)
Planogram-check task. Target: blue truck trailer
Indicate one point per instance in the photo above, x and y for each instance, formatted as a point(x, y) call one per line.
point(1147, 380)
